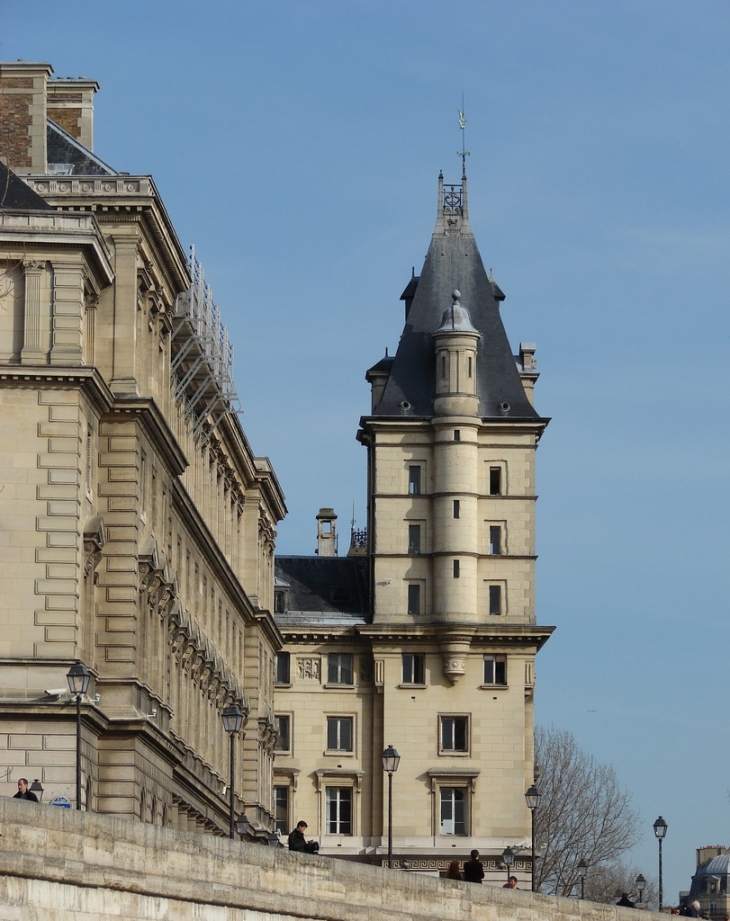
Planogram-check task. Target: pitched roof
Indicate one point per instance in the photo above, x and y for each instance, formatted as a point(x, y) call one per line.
point(66, 156)
point(327, 590)
point(453, 262)
point(16, 195)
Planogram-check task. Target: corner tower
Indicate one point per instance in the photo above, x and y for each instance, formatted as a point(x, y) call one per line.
point(451, 442)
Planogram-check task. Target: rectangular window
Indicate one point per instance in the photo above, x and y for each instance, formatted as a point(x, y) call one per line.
point(339, 810)
point(495, 670)
point(454, 733)
point(414, 538)
point(339, 733)
point(457, 508)
point(339, 668)
point(283, 727)
point(414, 480)
point(414, 598)
point(495, 539)
point(453, 811)
point(495, 481)
point(495, 599)
point(457, 569)
point(281, 809)
point(457, 435)
point(283, 664)
point(414, 668)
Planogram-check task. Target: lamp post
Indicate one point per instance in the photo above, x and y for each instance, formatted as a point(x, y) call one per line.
point(640, 886)
point(232, 722)
point(78, 677)
point(582, 871)
point(508, 858)
point(391, 760)
point(532, 798)
point(37, 788)
point(660, 830)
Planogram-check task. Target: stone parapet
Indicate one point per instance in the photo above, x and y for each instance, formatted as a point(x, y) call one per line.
point(56, 863)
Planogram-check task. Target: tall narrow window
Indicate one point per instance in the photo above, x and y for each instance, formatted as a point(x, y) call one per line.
point(495, 539)
point(443, 366)
point(470, 363)
point(414, 480)
point(495, 599)
point(495, 481)
point(414, 598)
point(89, 458)
point(414, 538)
point(339, 733)
point(339, 668)
point(453, 811)
point(457, 569)
point(283, 740)
point(495, 670)
point(414, 668)
point(339, 810)
point(457, 435)
point(281, 809)
point(283, 673)
point(457, 508)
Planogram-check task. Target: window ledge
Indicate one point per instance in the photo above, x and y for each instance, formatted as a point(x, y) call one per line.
point(410, 687)
point(493, 687)
point(339, 687)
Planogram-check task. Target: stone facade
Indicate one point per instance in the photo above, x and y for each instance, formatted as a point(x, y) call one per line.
point(439, 660)
point(138, 526)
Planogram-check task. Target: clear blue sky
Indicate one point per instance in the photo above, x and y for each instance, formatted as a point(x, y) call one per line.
point(297, 144)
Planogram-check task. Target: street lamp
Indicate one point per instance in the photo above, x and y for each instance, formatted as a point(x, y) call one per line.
point(391, 760)
point(640, 886)
point(508, 858)
point(660, 830)
point(78, 677)
point(232, 722)
point(582, 871)
point(37, 788)
point(533, 798)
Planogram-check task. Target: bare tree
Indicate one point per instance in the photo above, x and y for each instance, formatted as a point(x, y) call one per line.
point(608, 881)
point(583, 814)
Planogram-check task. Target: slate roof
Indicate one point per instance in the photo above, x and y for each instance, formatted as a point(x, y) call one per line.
point(16, 195)
point(453, 262)
point(65, 151)
point(327, 590)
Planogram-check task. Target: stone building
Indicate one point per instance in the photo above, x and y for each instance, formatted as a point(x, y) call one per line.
point(428, 641)
point(138, 526)
point(710, 882)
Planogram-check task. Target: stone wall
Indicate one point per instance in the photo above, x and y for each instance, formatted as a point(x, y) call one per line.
point(60, 865)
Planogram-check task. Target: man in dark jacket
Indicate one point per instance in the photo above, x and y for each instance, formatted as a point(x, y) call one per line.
point(297, 841)
point(24, 792)
point(473, 869)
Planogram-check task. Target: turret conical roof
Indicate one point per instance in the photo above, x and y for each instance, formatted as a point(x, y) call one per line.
point(453, 262)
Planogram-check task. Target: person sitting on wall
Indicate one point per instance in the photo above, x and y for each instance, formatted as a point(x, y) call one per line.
point(511, 884)
point(24, 792)
point(297, 841)
point(625, 901)
point(474, 868)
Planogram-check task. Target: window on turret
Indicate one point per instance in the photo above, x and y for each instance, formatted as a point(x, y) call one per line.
point(414, 480)
point(495, 670)
point(457, 435)
point(414, 598)
point(495, 599)
point(457, 508)
point(414, 538)
point(457, 569)
point(470, 363)
point(495, 539)
point(495, 481)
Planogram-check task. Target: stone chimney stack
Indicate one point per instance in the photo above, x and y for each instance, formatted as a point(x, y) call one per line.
point(71, 106)
point(326, 532)
point(23, 93)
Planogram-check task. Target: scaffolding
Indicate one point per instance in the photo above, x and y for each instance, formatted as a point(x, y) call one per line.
point(202, 357)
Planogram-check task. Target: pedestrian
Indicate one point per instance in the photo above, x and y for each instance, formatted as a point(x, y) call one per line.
point(24, 792)
point(511, 883)
point(454, 871)
point(297, 841)
point(473, 869)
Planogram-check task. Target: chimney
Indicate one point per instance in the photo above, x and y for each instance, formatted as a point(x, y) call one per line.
point(326, 532)
point(23, 88)
point(71, 107)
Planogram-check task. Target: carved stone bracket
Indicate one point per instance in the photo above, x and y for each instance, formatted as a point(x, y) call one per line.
point(93, 543)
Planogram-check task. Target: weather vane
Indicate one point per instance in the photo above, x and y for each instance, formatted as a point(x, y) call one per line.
point(463, 153)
